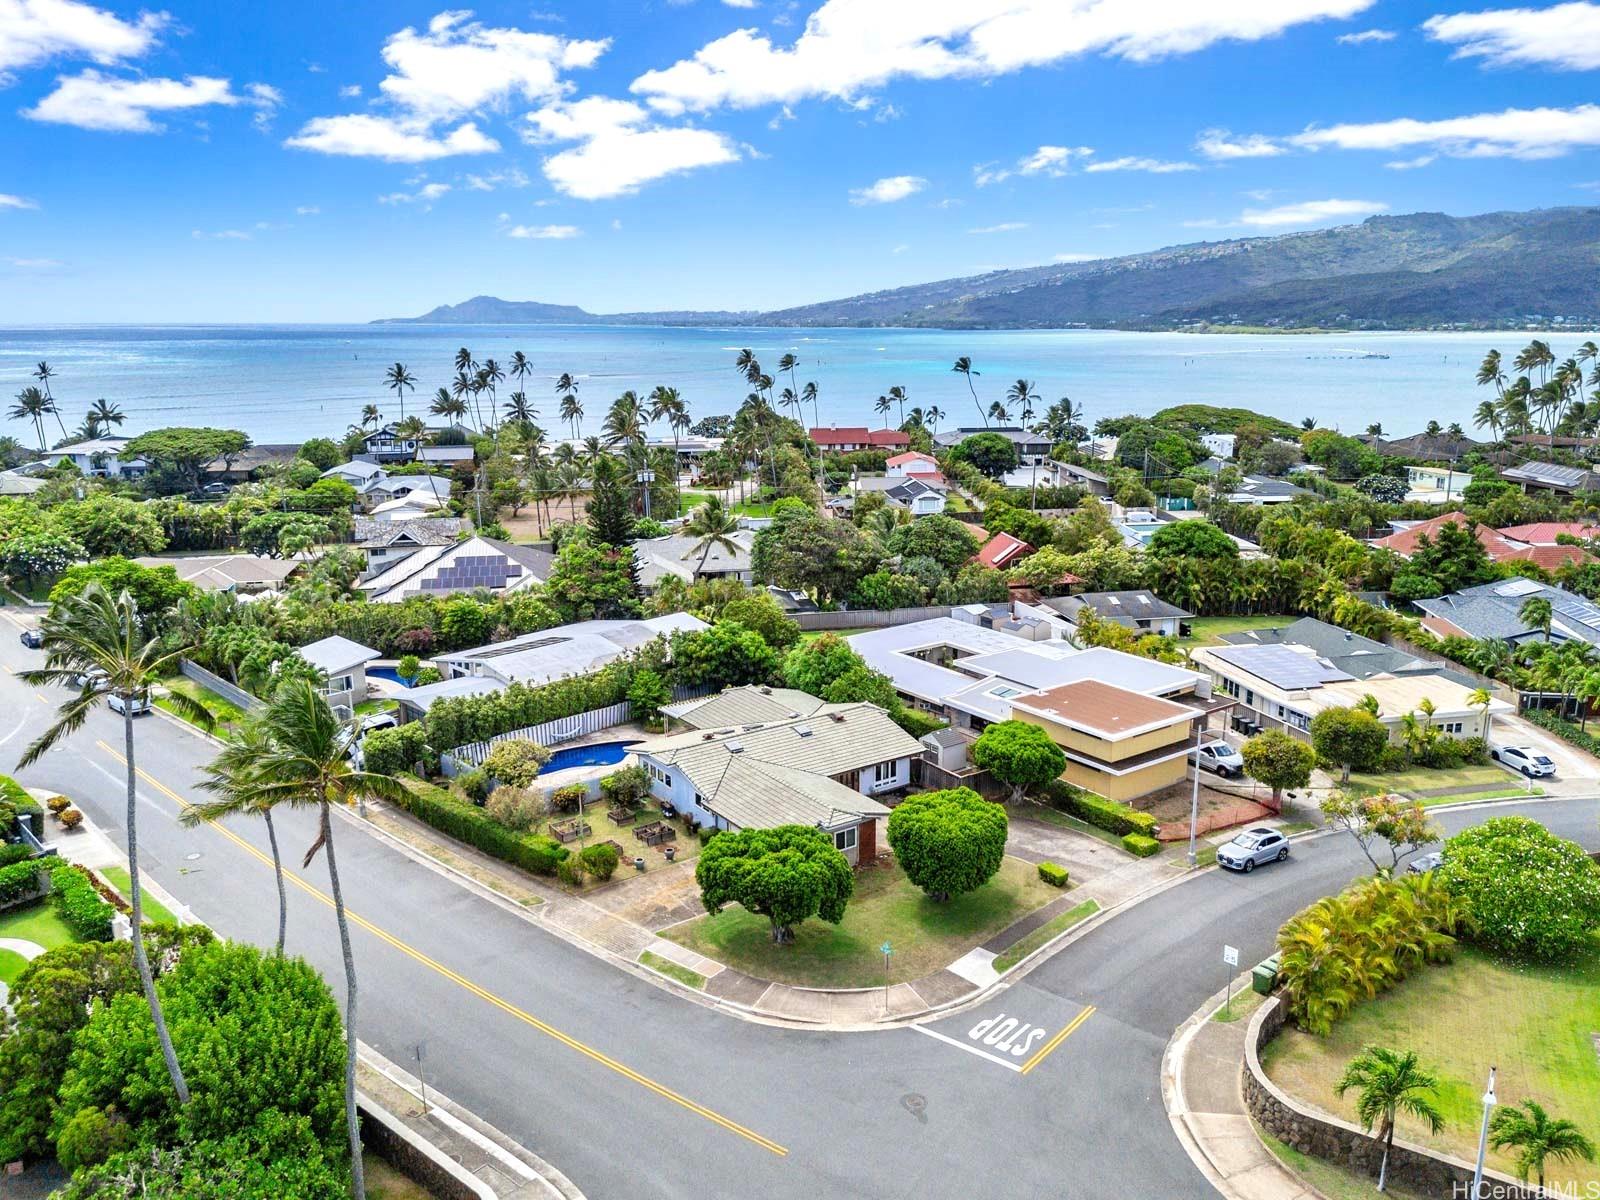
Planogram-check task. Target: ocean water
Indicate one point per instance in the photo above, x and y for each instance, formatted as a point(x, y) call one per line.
point(288, 383)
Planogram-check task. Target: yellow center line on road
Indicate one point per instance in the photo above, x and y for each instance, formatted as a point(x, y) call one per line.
point(1049, 1047)
point(505, 1006)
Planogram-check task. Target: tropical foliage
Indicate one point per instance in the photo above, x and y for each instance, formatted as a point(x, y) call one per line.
point(1529, 892)
point(948, 842)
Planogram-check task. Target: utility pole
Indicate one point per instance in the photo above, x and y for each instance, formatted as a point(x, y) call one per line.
point(1483, 1137)
point(1194, 798)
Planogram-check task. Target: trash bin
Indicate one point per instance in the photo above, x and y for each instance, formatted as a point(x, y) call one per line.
point(1265, 977)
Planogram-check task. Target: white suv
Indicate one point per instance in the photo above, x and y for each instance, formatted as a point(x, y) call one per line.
point(1219, 757)
point(1525, 759)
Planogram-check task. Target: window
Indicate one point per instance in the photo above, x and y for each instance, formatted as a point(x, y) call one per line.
point(339, 683)
point(1451, 727)
point(845, 839)
point(884, 771)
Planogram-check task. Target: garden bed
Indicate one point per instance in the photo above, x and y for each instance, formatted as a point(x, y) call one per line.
point(1537, 1023)
point(925, 936)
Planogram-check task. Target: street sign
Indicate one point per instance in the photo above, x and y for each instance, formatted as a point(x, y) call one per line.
point(886, 949)
point(1230, 955)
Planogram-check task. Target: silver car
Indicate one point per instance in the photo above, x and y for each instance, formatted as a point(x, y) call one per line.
point(1258, 845)
point(1220, 758)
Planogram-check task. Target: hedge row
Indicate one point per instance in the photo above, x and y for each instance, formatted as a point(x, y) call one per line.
point(18, 882)
point(1564, 729)
point(79, 904)
point(458, 720)
point(1053, 873)
point(1139, 845)
point(1105, 814)
point(469, 823)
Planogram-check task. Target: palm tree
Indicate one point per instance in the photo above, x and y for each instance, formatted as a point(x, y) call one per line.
point(934, 415)
point(32, 406)
point(998, 412)
point(1487, 416)
point(518, 411)
point(493, 376)
point(461, 387)
point(571, 406)
point(1389, 1082)
point(624, 423)
point(1375, 430)
point(1023, 393)
point(808, 395)
point(883, 405)
point(464, 361)
point(370, 415)
point(305, 764)
point(666, 403)
point(232, 777)
point(44, 375)
point(397, 379)
point(1536, 1136)
point(446, 405)
point(103, 415)
point(788, 362)
point(898, 395)
point(1308, 423)
point(521, 368)
point(1480, 698)
point(1536, 613)
point(963, 366)
point(711, 523)
point(96, 643)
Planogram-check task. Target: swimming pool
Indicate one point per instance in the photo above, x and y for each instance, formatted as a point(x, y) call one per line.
point(596, 754)
point(388, 673)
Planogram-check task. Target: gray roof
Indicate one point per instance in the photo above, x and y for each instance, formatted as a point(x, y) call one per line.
point(1123, 607)
point(1012, 434)
point(423, 698)
point(223, 572)
point(405, 485)
point(910, 490)
point(445, 453)
point(461, 566)
point(1282, 666)
point(424, 531)
point(566, 649)
point(681, 555)
point(1550, 475)
point(781, 773)
point(1262, 487)
point(335, 654)
point(749, 705)
point(1357, 656)
point(355, 468)
point(13, 484)
point(1492, 610)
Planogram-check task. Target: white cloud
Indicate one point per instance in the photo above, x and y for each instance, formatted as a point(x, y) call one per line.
point(362, 135)
point(36, 264)
point(900, 249)
point(618, 150)
point(1221, 145)
point(511, 177)
point(1412, 164)
point(350, 91)
point(1002, 227)
point(35, 31)
point(1564, 36)
point(1053, 161)
point(1075, 258)
point(740, 3)
point(1310, 212)
point(423, 196)
point(93, 100)
point(8, 200)
point(553, 232)
point(307, 210)
point(1154, 166)
point(1366, 35)
point(221, 235)
point(851, 46)
point(888, 190)
point(1525, 133)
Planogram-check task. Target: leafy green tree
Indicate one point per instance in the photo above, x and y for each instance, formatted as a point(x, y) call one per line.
point(787, 875)
point(1537, 1137)
point(407, 667)
point(1020, 755)
point(1350, 737)
point(90, 1137)
point(648, 693)
point(610, 503)
point(1386, 489)
point(758, 610)
point(1344, 457)
point(812, 666)
point(1192, 539)
point(1529, 892)
point(1400, 824)
point(948, 842)
point(105, 525)
point(1279, 761)
point(947, 541)
point(726, 655)
point(464, 622)
point(516, 762)
point(884, 591)
point(321, 453)
point(30, 556)
point(589, 581)
point(183, 453)
point(156, 591)
point(814, 554)
point(1156, 450)
point(1387, 1083)
point(992, 453)
point(862, 684)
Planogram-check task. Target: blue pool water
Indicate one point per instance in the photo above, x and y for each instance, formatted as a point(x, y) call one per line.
point(388, 673)
point(597, 754)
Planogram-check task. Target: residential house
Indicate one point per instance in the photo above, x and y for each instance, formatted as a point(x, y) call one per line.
point(97, 456)
point(1220, 444)
point(1494, 611)
point(919, 498)
point(388, 445)
point(563, 651)
point(792, 600)
point(344, 664)
point(1118, 743)
point(244, 574)
point(386, 542)
point(357, 473)
point(14, 484)
point(1551, 477)
point(1437, 447)
point(825, 771)
point(1286, 685)
point(446, 456)
point(842, 439)
point(475, 564)
point(248, 463)
point(1140, 610)
point(1435, 485)
point(1259, 489)
point(402, 487)
point(1357, 656)
point(1052, 474)
point(411, 507)
point(912, 464)
point(1525, 543)
point(1002, 551)
point(683, 557)
point(748, 705)
point(1031, 447)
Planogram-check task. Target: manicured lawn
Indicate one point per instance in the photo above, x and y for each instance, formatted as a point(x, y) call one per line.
point(11, 964)
point(925, 936)
point(1537, 1023)
point(1447, 784)
point(223, 712)
point(1207, 631)
point(1245, 1002)
point(1059, 923)
point(1331, 1181)
point(369, 708)
point(673, 970)
point(36, 923)
point(154, 910)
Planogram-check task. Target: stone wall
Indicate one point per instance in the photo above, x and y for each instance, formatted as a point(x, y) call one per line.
point(387, 1135)
point(1327, 1137)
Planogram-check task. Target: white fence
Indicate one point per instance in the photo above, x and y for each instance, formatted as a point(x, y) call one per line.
point(230, 692)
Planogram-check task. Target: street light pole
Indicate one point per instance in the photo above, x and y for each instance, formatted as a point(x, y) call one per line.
point(1194, 799)
point(1483, 1137)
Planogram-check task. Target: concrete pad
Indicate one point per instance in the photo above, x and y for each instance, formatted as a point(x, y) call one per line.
point(28, 950)
point(729, 984)
point(686, 957)
point(941, 988)
point(1269, 1181)
point(976, 967)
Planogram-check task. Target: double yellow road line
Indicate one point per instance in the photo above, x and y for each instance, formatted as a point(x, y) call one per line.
point(1049, 1047)
point(462, 981)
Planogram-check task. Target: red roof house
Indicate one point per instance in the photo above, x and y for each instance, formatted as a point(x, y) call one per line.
point(859, 437)
point(1003, 550)
point(1534, 543)
point(1406, 542)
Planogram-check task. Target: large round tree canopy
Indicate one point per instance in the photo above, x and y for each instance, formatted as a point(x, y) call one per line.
point(786, 874)
point(948, 842)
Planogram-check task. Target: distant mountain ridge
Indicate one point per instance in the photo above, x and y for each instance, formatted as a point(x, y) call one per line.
point(1389, 272)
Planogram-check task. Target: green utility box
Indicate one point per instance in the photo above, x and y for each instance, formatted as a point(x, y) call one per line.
point(1265, 977)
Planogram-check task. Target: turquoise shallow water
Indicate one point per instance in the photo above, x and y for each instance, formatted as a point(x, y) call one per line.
point(286, 383)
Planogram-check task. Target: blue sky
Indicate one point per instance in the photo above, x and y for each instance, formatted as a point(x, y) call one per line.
point(338, 162)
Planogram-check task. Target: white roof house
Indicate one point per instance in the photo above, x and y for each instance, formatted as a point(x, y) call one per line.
point(396, 487)
point(563, 651)
point(336, 654)
point(408, 508)
point(97, 456)
point(676, 554)
point(475, 564)
point(356, 473)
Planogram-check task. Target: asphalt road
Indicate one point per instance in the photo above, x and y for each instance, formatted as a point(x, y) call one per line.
point(634, 1091)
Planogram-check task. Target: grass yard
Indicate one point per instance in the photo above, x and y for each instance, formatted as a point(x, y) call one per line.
point(926, 936)
point(1027, 944)
point(1537, 1023)
point(1442, 786)
point(1331, 1181)
point(673, 970)
point(36, 923)
point(154, 910)
point(11, 964)
point(384, 1182)
point(1208, 631)
point(368, 708)
point(225, 713)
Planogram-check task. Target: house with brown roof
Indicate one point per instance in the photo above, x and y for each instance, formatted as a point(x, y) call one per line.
point(1534, 543)
point(844, 438)
point(1119, 743)
point(1003, 551)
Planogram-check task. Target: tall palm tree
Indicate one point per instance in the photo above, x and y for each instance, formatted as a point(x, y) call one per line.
point(232, 777)
point(32, 406)
point(493, 376)
point(1387, 1083)
point(963, 366)
point(1375, 430)
point(1537, 1136)
point(933, 416)
point(898, 395)
point(883, 405)
point(624, 423)
point(305, 764)
point(1487, 416)
point(1480, 698)
point(44, 375)
point(370, 415)
point(397, 379)
point(465, 362)
point(711, 523)
point(103, 415)
point(519, 412)
point(998, 411)
point(1536, 613)
point(465, 387)
point(446, 405)
point(97, 644)
point(521, 368)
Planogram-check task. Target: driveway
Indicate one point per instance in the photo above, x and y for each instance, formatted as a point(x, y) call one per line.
point(1577, 773)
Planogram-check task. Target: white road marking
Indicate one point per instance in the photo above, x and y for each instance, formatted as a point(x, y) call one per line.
point(969, 1048)
point(140, 792)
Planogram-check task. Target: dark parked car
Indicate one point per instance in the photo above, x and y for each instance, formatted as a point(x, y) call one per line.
point(1425, 863)
point(1253, 846)
point(32, 639)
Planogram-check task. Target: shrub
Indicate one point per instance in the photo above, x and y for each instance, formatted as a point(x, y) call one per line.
point(570, 871)
point(71, 818)
point(627, 787)
point(1105, 814)
point(600, 860)
point(917, 724)
point(79, 904)
point(568, 799)
point(457, 720)
point(515, 808)
point(516, 761)
point(56, 803)
point(948, 842)
point(1053, 873)
point(1528, 891)
point(8, 817)
point(1391, 760)
point(91, 1136)
point(13, 853)
point(1140, 846)
point(474, 785)
point(1563, 729)
point(391, 751)
point(472, 825)
point(706, 833)
point(18, 882)
point(1019, 755)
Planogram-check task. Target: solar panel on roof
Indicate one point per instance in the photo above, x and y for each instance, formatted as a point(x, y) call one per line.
point(1282, 666)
